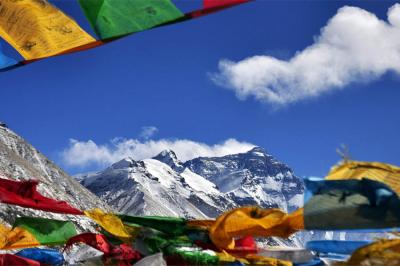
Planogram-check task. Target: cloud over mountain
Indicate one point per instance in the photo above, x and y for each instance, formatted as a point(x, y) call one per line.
point(85, 153)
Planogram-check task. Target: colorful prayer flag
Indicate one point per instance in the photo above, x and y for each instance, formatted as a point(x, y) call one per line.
point(37, 29)
point(385, 173)
point(383, 252)
point(335, 246)
point(6, 61)
point(109, 222)
point(13, 260)
point(112, 19)
point(350, 204)
point(47, 231)
point(45, 256)
point(253, 221)
point(14, 238)
point(24, 194)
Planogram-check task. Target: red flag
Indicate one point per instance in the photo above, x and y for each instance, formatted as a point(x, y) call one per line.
point(222, 3)
point(24, 194)
point(9, 259)
point(96, 241)
point(119, 255)
point(211, 6)
point(247, 243)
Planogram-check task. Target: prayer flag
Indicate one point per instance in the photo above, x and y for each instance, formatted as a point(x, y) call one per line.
point(24, 194)
point(37, 29)
point(47, 231)
point(112, 19)
point(350, 204)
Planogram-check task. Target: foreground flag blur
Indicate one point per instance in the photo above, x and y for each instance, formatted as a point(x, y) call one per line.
point(254, 221)
point(45, 256)
point(109, 222)
point(24, 194)
point(120, 253)
point(47, 231)
point(384, 252)
point(335, 246)
point(13, 260)
point(350, 204)
point(385, 173)
point(13, 238)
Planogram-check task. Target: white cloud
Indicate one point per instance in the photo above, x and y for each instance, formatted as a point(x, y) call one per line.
point(148, 132)
point(86, 153)
point(355, 46)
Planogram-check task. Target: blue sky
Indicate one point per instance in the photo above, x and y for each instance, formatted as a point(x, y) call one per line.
point(161, 79)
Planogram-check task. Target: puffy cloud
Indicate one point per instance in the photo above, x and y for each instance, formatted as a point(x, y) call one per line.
point(88, 153)
point(148, 132)
point(354, 46)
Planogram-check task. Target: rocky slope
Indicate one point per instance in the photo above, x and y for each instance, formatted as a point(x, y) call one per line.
point(20, 161)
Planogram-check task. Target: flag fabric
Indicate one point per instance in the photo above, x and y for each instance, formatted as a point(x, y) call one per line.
point(109, 222)
point(96, 241)
point(81, 253)
point(219, 3)
point(121, 253)
point(288, 254)
point(38, 29)
point(45, 256)
point(152, 260)
point(13, 260)
point(168, 225)
point(14, 238)
point(112, 19)
point(254, 221)
point(385, 173)
point(335, 246)
point(383, 252)
point(6, 61)
point(350, 205)
point(25, 194)
point(47, 231)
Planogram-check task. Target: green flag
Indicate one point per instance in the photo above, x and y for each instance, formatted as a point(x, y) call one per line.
point(167, 225)
point(114, 18)
point(47, 231)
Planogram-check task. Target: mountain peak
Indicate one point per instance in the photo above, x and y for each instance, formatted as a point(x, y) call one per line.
point(258, 151)
point(124, 163)
point(169, 157)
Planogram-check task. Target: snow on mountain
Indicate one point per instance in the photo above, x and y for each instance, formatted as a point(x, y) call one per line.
point(151, 187)
point(20, 161)
point(199, 188)
point(254, 177)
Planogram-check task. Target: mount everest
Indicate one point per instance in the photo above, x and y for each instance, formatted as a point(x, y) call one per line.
point(199, 188)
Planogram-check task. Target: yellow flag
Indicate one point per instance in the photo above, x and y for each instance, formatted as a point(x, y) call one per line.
point(14, 238)
point(383, 252)
point(252, 259)
point(37, 29)
point(253, 221)
point(109, 222)
point(385, 173)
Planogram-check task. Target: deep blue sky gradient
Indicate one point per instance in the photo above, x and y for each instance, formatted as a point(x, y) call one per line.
point(160, 78)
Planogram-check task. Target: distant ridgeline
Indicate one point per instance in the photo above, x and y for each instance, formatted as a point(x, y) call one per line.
point(38, 29)
point(354, 197)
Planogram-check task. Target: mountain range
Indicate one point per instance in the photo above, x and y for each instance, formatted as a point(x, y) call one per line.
point(199, 188)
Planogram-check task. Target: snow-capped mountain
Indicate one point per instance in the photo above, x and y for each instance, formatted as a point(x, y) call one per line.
point(252, 178)
point(199, 188)
point(20, 161)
